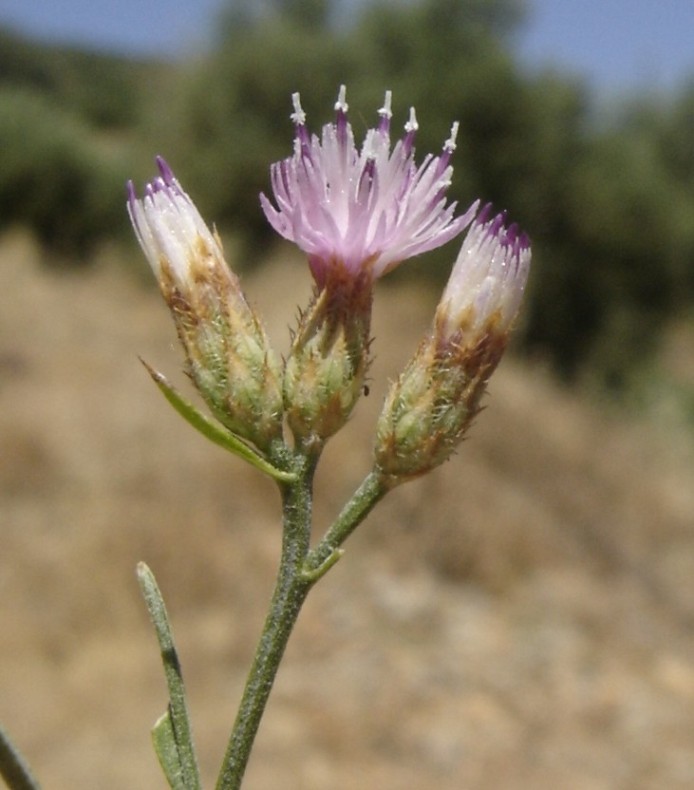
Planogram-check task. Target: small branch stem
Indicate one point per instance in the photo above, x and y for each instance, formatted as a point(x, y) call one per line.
point(369, 493)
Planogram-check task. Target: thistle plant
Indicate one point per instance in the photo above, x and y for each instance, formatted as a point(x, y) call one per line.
point(357, 213)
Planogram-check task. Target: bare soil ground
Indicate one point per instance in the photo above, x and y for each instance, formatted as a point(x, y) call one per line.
point(522, 618)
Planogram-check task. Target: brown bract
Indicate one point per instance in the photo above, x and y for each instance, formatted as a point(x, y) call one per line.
point(433, 403)
point(329, 356)
point(227, 351)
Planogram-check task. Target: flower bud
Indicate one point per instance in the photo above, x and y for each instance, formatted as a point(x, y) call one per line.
point(227, 352)
point(434, 401)
point(325, 370)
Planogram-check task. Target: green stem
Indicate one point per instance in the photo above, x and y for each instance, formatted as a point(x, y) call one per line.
point(290, 592)
point(13, 767)
point(299, 570)
point(321, 558)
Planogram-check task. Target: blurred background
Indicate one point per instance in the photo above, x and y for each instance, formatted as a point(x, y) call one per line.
point(522, 617)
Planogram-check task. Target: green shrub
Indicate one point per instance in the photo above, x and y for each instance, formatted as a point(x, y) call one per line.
point(54, 177)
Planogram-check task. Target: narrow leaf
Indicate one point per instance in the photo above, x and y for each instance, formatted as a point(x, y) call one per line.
point(167, 751)
point(178, 709)
point(13, 767)
point(213, 431)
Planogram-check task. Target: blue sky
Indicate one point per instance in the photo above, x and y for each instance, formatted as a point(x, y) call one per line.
point(617, 45)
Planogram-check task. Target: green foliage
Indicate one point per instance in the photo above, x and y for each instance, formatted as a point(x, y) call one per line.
point(53, 177)
point(104, 90)
point(614, 258)
point(64, 120)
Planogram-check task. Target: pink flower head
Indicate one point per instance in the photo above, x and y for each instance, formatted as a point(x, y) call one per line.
point(364, 211)
point(488, 279)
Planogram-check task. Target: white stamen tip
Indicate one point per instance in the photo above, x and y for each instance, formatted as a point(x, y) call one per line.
point(412, 125)
point(298, 116)
point(368, 150)
point(341, 103)
point(385, 111)
point(449, 145)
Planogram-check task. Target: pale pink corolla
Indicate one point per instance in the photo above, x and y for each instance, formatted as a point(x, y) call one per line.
point(364, 211)
point(170, 229)
point(486, 285)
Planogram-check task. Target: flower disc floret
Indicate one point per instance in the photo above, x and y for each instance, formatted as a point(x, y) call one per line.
point(364, 210)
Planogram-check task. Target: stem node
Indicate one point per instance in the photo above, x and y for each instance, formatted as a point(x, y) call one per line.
point(311, 575)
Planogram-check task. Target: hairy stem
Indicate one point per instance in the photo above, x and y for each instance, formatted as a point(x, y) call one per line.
point(325, 554)
point(300, 568)
point(290, 592)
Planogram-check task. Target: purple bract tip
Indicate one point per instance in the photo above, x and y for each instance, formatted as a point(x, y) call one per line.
point(497, 224)
point(485, 214)
point(488, 278)
point(168, 226)
point(166, 172)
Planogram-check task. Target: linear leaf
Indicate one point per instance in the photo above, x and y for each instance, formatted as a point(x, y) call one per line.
point(213, 431)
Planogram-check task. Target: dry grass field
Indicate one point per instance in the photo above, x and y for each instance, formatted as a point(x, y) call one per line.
point(522, 618)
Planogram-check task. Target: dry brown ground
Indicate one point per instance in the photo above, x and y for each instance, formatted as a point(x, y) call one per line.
point(520, 619)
